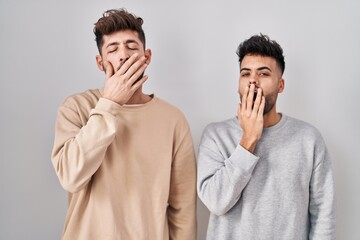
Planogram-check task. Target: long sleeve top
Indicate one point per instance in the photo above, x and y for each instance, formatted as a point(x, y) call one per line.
point(129, 170)
point(284, 190)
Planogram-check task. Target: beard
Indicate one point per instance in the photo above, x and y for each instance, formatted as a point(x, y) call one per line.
point(270, 101)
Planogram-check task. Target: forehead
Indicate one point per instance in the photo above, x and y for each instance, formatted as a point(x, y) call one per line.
point(256, 61)
point(121, 37)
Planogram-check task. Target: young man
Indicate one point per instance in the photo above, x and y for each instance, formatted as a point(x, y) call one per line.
point(126, 158)
point(265, 175)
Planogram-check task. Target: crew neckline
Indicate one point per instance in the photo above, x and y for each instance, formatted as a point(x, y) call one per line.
point(134, 107)
point(277, 126)
point(268, 130)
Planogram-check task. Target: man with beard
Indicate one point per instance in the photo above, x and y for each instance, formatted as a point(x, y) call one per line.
point(125, 158)
point(265, 175)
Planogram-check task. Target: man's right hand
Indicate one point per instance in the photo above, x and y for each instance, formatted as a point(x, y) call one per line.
point(250, 116)
point(120, 85)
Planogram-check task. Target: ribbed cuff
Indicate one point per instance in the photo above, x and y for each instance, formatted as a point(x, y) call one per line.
point(108, 106)
point(242, 158)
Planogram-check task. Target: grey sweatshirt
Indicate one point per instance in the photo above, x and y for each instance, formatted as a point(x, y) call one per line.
point(285, 190)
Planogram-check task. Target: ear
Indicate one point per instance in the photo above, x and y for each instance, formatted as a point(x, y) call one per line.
point(281, 85)
point(99, 63)
point(148, 56)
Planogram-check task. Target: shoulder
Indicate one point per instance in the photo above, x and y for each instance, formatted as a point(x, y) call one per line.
point(168, 110)
point(221, 134)
point(220, 128)
point(87, 99)
point(304, 129)
point(225, 124)
point(301, 125)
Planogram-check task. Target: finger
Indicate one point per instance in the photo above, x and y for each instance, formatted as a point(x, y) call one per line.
point(257, 101)
point(123, 68)
point(244, 97)
point(261, 107)
point(139, 83)
point(239, 115)
point(250, 97)
point(135, 77)
point(109, 70)
point(134, 69)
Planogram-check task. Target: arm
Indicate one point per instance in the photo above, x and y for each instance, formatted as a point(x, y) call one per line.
point(322, 204)
point(251, 120)
point(221, 180)
point(79, 150)
point(182, 197)
point(80, 147)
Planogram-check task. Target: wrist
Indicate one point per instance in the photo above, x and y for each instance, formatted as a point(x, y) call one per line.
point(248, 144)
point(113, 100)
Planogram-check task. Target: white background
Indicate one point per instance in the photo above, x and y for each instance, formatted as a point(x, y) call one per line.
point(47, 52)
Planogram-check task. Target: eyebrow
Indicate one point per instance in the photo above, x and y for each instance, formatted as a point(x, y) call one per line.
point(262, 68)
point(258, 69)
point(117, 43)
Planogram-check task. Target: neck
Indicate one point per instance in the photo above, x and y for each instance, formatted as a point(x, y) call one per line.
point(139, 97)
point(271, 118)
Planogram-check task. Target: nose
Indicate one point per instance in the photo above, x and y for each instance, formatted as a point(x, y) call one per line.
point(254, 80)
point(124, 54)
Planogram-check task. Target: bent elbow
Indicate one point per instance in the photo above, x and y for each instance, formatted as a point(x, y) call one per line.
point(72, 186)
point(71, 182)
point(218, 210)
point(215, 205)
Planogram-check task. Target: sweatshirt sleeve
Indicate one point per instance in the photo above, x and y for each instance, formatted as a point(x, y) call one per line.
point(79, 148)
point(222, 179)
point(182, 196)
point(322, 197)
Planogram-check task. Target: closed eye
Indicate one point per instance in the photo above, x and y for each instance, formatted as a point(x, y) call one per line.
point(132, 46)
point(112, 50)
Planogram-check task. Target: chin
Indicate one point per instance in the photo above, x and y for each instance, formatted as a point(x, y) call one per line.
point(268, 108)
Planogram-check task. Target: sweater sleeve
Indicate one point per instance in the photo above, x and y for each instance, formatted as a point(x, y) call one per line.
point(322, 200)
point(79, 148)
point(182, 196)
point(221, 180)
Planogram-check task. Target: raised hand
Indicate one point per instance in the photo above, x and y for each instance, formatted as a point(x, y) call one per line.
point(121, 84)
point(250, 116)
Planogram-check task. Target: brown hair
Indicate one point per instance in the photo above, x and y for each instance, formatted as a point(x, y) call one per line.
point(262, 45)
point(114, 20)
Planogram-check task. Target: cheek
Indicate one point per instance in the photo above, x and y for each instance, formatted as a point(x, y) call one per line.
point(242, 85)
point(241, 90)
point(269, 91)
point(112, 60)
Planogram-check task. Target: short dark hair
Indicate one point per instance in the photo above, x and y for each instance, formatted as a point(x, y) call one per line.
point(262, 45)
point(114, 20)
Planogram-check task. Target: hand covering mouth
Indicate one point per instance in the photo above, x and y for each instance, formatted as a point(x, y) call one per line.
point(255, 93)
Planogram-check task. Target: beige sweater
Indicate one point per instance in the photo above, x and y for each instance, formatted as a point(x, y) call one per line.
point(130, 171)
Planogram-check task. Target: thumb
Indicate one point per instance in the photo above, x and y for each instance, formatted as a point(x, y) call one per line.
point(239, 108)
point(109, 70)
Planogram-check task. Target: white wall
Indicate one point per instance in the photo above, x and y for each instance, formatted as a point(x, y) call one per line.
point(47, 52)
